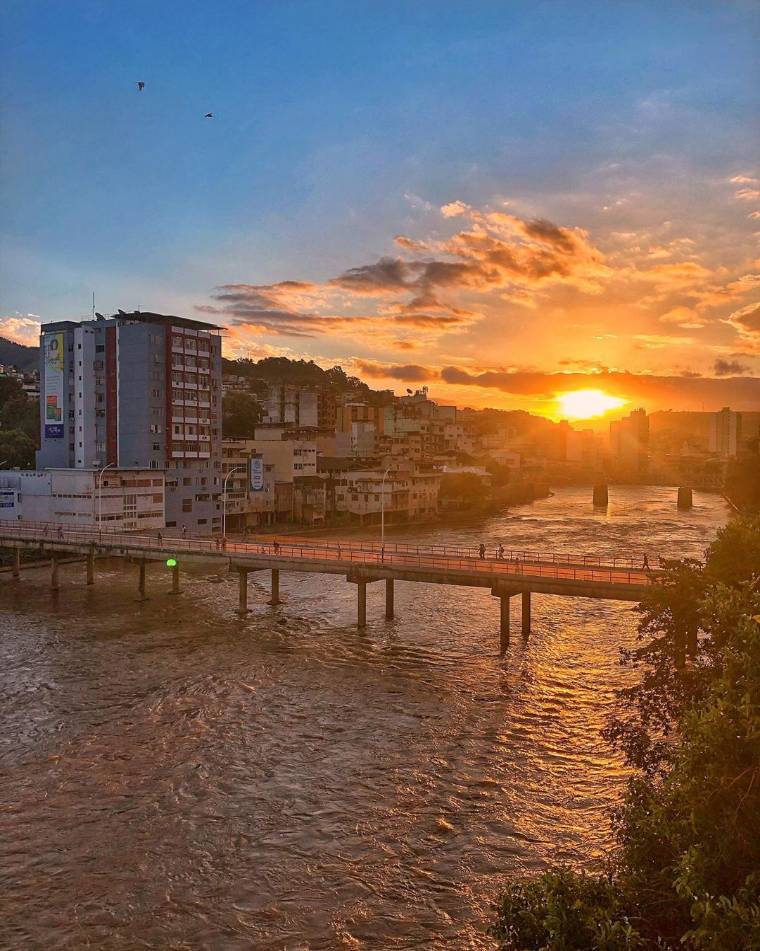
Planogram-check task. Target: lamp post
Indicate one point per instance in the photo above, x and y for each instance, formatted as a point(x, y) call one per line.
point(100, 495)
point(224, 498)
point(382, 506)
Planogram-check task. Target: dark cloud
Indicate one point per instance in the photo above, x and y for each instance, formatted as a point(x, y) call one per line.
point(408, 373)
point(500, 252)
point(667, 391)
point(730, 368)
point(387, 274)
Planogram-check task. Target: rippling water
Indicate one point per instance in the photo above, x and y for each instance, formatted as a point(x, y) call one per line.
point(174, 777)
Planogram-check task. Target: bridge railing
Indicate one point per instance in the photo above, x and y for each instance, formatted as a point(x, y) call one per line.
point(458, 551)
point(351, 555)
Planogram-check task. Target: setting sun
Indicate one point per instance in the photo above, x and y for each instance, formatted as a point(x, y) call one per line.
point(583, 404)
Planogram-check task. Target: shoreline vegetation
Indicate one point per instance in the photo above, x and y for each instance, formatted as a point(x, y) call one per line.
point(685, 872)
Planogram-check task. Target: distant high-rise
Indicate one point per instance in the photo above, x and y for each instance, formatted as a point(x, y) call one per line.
point(137, 390)
point(629, 441)
point(725, 432)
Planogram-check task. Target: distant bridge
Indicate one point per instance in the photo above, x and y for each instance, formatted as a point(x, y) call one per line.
point(506, 572)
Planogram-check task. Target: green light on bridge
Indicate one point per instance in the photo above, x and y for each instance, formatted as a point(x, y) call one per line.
point(171, 562)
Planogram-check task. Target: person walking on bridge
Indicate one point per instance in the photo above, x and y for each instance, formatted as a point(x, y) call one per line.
point(500, 552)
point(645, 563)
point(482, 550)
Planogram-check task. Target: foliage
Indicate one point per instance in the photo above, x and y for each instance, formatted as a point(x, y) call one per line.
point(743, 481)
point(686, 872)
point(465, 488)
point(564, 909)
point(270, 370)
point(19, 425)
point(241, 413)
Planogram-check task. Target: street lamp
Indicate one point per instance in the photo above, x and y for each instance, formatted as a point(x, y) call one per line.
point(100, 494)
point(382, 506)
point(224, 498)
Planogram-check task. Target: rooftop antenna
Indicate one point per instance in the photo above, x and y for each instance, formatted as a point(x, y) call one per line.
point(93, 305)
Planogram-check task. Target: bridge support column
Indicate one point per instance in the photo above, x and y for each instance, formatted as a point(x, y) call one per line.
point(275, 599)
point(361, 595)
point(242, 591)
point(526, 613)
point(141, 596)
point(91, 566)
point(504, 601)
point(389, 598)
point(175, 580)
point(16, 563)
point(54, 571)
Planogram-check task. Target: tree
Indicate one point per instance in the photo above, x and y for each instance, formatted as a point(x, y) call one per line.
point(16, 449)
point(241, 413)
point(686, 873)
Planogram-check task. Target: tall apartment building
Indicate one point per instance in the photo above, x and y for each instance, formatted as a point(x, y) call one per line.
point(137, 390)
point(629, 442)
point(726, 432)
point(312, 406)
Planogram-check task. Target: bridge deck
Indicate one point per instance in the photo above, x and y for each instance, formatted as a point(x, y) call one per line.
point(573, 575)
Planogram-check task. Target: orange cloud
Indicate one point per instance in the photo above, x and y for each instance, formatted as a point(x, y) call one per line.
point(21, 329)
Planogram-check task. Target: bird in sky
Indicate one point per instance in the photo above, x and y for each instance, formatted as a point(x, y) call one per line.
point(141, 85)
point(209, 115)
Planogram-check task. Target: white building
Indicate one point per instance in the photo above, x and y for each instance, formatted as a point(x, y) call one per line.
point(127, 500)
point(725, 432)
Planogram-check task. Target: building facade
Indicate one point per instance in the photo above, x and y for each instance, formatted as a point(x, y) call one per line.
point(725, 433)
point(137, 390)
point(128, 500)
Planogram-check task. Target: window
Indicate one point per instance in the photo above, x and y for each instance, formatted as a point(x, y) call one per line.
point(187, 505)
point(202, 521)
point(156, 447)
point(100, 348)
point(187, 480)
point(154, 464)
point(171, 524)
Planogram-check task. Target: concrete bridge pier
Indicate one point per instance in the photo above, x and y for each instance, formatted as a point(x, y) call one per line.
point(685, 497)
point(275, 598)
point(54, 571)
point(91, 566)
point(389, 599)
point(175, 580)
point(242, 591)
point(504, 621)
point(526, 614)
point(16, 564)
point(141, 596)
point(361, 597)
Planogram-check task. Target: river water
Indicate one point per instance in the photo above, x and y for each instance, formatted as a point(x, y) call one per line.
point(174, 777)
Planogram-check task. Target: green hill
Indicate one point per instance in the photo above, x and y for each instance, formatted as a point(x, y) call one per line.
point(17, 355)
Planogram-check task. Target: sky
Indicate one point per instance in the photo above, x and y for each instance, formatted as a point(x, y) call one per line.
point(500, 200)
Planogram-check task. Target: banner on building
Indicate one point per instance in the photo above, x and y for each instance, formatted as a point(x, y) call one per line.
point(54, 358)
point(256, 473)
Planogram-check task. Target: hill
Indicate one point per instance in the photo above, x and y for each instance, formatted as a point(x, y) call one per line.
point(17, 355)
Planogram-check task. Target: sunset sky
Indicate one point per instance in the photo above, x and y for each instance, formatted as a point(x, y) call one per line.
point(502, 200)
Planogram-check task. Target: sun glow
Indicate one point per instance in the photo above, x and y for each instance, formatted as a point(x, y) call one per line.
point(584, 404)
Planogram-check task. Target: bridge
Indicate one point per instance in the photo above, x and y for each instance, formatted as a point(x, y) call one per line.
point(508, 573)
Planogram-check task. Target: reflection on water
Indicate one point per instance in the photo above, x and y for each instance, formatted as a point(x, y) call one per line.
point(175, 777)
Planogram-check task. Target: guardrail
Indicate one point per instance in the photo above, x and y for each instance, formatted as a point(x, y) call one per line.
point(334, 553)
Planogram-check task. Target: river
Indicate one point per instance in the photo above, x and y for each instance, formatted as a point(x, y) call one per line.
point(175, 777)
